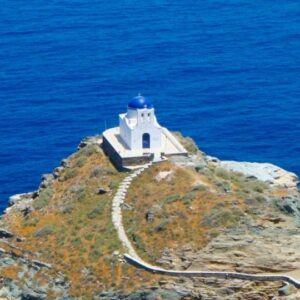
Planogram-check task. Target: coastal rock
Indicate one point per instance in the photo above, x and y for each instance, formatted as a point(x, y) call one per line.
point(289, 205)
point(47, 180)
point(16, 199)
point(90, 140)
point(266, 172)
point(156, 293)
point(57, 171)
point(5, 234)
point(65, 163)
point(22, 202)
point(26, 285)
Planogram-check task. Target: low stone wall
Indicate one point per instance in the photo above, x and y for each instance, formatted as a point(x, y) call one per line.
point(122, 163)
point(174, 141)
point(224, 275)
point(136, 261)
point(112, 154)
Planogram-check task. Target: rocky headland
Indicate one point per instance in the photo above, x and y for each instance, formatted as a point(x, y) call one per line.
point(187, 213)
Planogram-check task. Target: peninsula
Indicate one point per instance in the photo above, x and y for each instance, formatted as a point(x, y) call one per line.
point(140, 212)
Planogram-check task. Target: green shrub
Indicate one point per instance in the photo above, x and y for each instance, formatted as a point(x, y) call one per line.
point(31, 221)
point(76, 188)
point(95, 254)
point(94, 213)
point(224, 186)
point(199, 187)
point(96, 172)
point(48, 229)
point(208, 172)
point(162, 226)
point(188, 197)
point(260, 198)
point(222, 217)
point(187, 142)
point(67, 208)
point(220, 172)
point(214, 233)
point(198, 168)
point(171, 198)
point(44, 198)
point(138, 241)
point(76, 242)
point(89, 236)
point(147, 193)
point(60, 239)
point(69, 174)
point(77, 192)
point(257, 186)
point(87, 150)
point(80, 162)
point(114, 184)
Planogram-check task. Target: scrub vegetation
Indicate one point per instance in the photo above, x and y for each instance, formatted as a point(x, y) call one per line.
point(71, 226)
point(192, 206)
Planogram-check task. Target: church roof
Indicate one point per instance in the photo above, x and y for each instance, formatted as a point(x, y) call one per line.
point(139, 102)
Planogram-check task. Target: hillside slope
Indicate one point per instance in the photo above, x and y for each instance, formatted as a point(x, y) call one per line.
point(186, 213)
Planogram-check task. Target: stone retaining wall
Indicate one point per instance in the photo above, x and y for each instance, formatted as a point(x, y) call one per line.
point(224, 275)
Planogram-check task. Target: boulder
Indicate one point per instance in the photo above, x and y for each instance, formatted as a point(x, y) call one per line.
point(285, 290)
point(289, 205)
point(65, 163)
point(5, 234)
point(41, 264)
point(102, 191)
point(16, 199)
point(126, 206)
point(149, 216)
point(57, 171)
point(90, 140)
point(47, 180)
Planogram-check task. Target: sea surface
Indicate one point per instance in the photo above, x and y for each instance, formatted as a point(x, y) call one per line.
point(226, 73)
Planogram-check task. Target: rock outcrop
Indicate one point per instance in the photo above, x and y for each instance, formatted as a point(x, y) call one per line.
point(59, 242)
point(266, 172)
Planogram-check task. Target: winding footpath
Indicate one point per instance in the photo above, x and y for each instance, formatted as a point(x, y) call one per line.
point(133, 258)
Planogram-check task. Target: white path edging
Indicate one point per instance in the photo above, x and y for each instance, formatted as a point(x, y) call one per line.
point(225, 275)
point(133, 258)
point(117, 213)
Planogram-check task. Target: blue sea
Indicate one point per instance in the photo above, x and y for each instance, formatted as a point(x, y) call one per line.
point(226, 73)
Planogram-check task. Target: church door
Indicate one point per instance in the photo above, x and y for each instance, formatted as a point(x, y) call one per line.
point(146, 140)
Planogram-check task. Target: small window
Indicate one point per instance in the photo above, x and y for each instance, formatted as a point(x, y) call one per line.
point(142, 115)
point(149, 114)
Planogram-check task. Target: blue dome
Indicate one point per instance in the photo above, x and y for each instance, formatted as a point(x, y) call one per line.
point(139, 102)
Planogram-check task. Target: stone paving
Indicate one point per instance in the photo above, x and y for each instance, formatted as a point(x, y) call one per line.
point(117, 213)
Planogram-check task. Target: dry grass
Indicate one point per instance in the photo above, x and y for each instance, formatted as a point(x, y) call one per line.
point(73, 230)
point(180, 209)
point(71, 227)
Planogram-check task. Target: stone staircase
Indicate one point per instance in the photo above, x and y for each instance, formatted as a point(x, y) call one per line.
point(118, 200)
point(132, 257)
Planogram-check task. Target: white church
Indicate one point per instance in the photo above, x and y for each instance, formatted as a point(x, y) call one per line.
point(139, 138)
